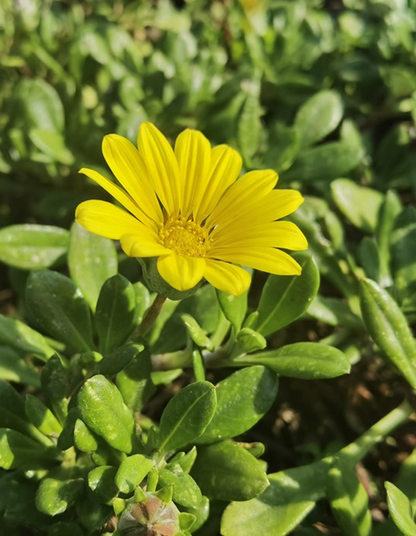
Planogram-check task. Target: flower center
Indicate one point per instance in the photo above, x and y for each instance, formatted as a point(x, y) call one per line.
point(185, 237)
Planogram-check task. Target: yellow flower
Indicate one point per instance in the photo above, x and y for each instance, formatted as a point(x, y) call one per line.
point(186, 207)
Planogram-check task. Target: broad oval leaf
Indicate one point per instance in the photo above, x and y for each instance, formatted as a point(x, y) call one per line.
point(187, 415)
point(15, 369)
point(58, 491)
point(102, 409)
point(134, 381)
point(185, 490)
point(292, 494)
point(324, 162)
point(92, 259)
point(242, 400)
point(319, 116)
point(360, 205)
point(131, 472)
point(115, 313)
point(16, 449)
point(388, 328)
point(59, 308)
point(33, 247)
point(304, 360)
point(284, 299)
point(233, 307)
point(227, 472)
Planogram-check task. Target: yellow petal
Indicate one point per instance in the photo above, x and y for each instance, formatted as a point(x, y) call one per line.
point(224, 170)
point(270, 260)
point(107, 220)
point(128, 166)
point(120, 195)
point(248, 190)
point(275, 205)
point(180, 272)
point(161, 163)
point(277, 234)
point(227, 277)
point(193, 152)
point(143, 245)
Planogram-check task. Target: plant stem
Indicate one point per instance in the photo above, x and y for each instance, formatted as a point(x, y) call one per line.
point(150, 317)
point(355, 451)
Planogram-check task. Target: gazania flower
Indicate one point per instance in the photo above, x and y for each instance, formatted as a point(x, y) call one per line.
point(188, 207)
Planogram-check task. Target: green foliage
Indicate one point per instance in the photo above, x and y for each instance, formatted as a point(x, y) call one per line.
point(106, 431)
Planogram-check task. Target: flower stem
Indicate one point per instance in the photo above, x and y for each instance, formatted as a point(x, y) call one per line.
point(355, 451)
point(150, 317)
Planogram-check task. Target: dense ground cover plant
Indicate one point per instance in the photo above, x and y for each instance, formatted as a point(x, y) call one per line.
point(120, 415)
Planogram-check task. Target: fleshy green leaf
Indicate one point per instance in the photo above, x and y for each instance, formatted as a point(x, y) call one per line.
point(101, 482)
point(242, 400)
point(360, 205)
point(22, 337)
point(131, 472)
point(305, 360)
point(92, 259)
point(286, 298)
point(401, 510)
point(319, 116)
point(16, 449)
point(59, 308)
point(389, 329)
point(227, 472)
point(135, 382)
point(42, 417)
point(349, 500)
point(185, 490)
point(33, 247)
point(233, 307)
point(83, 438)
point(187, 415)
point(58, 491)
point(15, 369)
point(403, 255)
point(102, 409)
point(334, 312)
point(115, 313)
point(281, 507)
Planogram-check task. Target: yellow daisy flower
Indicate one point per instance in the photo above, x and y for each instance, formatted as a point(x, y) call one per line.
point(186, 207)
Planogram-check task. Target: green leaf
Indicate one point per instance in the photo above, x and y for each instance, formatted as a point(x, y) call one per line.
point(55, 385)
point(242, 400)
point(305, 360)
point(33, 247)
point(388, 328)
point(115, 313)
point(400, 510)
point(15, 369)
point(334, 312)
point(132, 471)
point(402, 251)
point(92, 259)
point(52, 144)
point(187, 415)
point(324, 162)
point(119, 359)
point(58, 491)
point(185, 490)
point(389, 211)
point(42, 105)
point(349, 500)
point(249, 127)
point(102, 409)
point(84, 440)
point(16, 449)
point(250, 341)
point(360, 205)
point(42, 417)
point(284, 144)
point(23, 338)
point(284, 299)
point(135, 382)
point(233, 307)
point(101, 482)
point(195, 332)
point(227, 472)
point(282, 506)
point(319, 116)
point(369, 258)
point(58, 307)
